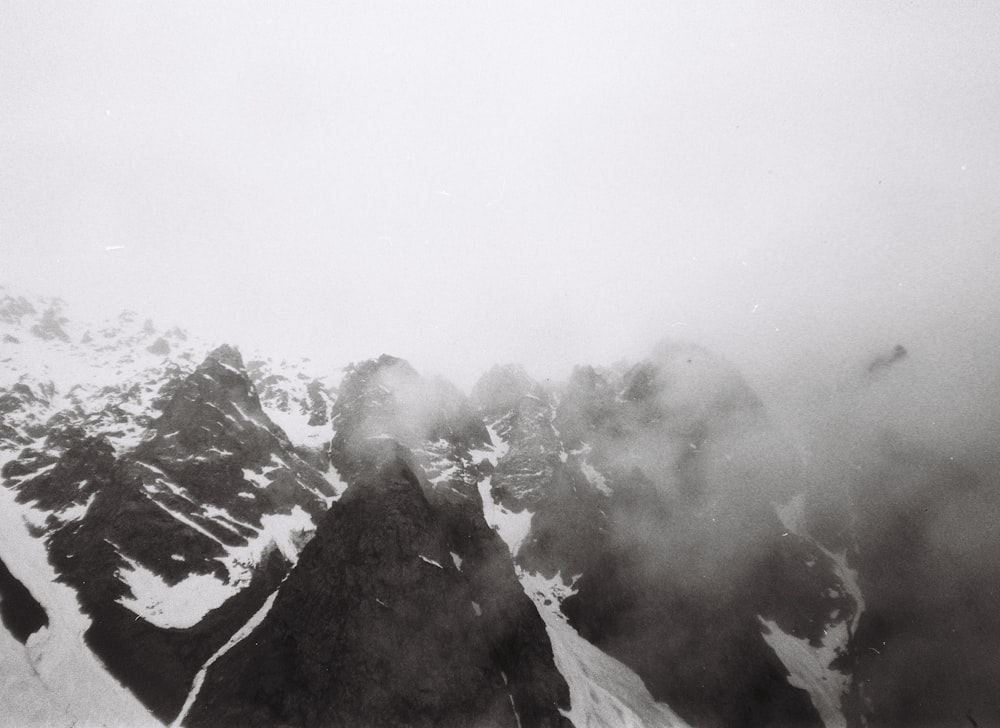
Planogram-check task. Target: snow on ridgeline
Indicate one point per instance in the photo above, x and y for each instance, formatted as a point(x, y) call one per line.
point(106, 375)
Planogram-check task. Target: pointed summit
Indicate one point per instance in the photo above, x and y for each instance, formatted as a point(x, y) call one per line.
point(498, 391)
point(228, 356)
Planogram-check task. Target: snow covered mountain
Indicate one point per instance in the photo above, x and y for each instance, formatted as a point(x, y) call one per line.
point(193, 538)
point(160, 489)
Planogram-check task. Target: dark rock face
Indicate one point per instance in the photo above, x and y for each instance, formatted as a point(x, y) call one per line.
point(430, 409)
point(175, 506)
point(405, 609)
point(79, 473)
point(652, 488)
point(378, 625)
point(216, 407)
point(529, 466)
point(500, 390)
point(212, 430)
point(18, 397)
point(690, 627)
point(319, 403)
point(642, 484)
point(927, 649)
point(158, 665)
point(122, 522)
point(386, 400)
point(21, 614)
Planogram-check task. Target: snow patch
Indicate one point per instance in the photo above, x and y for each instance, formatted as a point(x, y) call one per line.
point(512, 527)
point(495, 453)
point(286, 531)
point(179, 606)
point(339, 486)
point(595, 477)
point(230, 368)
point(849, 578)
point(34, 518)
point(792, 514)
point(257, 479)
point(603, 691)
point(809, 668)
point(297, 429)
point(262, 479)
point(27, 701)
point(187, 521)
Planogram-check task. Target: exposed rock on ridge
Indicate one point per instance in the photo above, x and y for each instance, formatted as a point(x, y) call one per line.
point(379, 625)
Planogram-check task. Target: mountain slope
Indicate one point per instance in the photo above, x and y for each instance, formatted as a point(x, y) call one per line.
point(377, 625)
point(187, 537)
point(167, 499)
point(652, 491)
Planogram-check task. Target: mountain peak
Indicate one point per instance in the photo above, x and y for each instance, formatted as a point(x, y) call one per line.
point(388, 360)
point(227, 355)
point(502, 387)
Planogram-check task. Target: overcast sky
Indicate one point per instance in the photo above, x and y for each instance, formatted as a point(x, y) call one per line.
point(463, 183)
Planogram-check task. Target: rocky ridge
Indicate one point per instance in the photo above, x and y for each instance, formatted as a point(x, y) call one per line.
point(213, 540)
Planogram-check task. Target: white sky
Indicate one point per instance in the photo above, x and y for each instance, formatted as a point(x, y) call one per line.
point(464, 183)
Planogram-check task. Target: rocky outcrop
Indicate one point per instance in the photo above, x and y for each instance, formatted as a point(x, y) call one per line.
point(522, 476)
point(642, 494)
point(649, 507)
point(926, 649)
point(398, 613)
point(498, 391)
point(213, 430)
point(388, 398)
point(198, 498)
point(20, 612)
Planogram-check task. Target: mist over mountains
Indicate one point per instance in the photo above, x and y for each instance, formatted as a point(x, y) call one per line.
point(193, 535)
point(499, 364)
